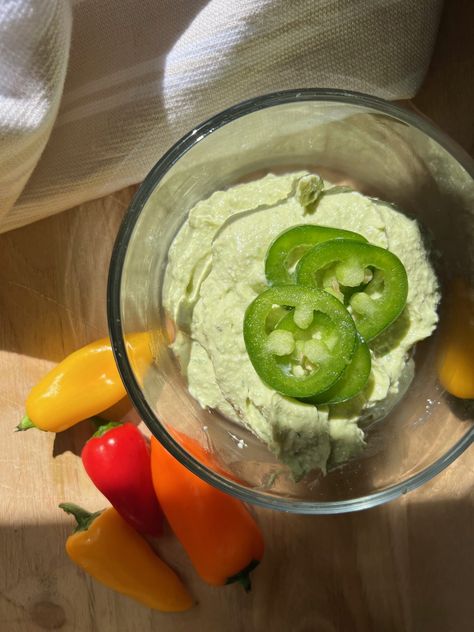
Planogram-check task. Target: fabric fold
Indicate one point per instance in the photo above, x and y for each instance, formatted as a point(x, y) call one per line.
point(139, 75)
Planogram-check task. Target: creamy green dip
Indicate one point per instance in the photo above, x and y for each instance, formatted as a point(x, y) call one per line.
point(216, 268)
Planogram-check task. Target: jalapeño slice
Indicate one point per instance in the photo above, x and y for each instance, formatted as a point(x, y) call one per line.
point(288, 248)
point(370, 280)
point(306, 351)
point(353, 379)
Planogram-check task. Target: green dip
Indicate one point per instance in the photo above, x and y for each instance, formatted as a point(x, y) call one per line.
point(216, 268)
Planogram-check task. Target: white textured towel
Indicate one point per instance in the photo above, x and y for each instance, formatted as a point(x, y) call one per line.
point(92, 92)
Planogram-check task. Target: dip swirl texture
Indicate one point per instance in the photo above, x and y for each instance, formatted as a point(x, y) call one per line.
point(216, 268)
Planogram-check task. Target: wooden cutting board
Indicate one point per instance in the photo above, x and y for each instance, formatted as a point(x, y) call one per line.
point(404, 566)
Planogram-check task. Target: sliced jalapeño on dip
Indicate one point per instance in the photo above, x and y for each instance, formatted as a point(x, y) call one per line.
point(306, 351)
point(288, 248)
point(370, 280)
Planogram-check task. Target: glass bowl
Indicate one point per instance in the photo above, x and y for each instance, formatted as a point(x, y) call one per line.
point(380, 150)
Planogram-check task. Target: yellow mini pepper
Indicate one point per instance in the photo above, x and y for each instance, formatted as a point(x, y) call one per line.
point(84, 384)
point(112, 552)
point(455, 359)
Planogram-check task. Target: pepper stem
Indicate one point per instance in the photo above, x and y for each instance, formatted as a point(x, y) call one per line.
point(243, 577)
point(105, 426)
point(84, 518)
point(25, 424)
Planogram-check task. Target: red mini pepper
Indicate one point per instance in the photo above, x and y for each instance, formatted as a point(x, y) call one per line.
point(117, 460)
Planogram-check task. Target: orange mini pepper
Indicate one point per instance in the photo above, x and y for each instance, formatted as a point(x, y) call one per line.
point(217, 531)
point(455, 359)
point(82, 385)
point(200, 453)
point(112, 552)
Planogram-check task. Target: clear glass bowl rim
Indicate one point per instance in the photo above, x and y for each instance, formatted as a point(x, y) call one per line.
point(114, 298)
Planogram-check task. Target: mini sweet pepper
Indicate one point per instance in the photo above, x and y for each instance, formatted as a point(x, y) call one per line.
point(117, 460)
point(111, 551)
point(217, 531)
point(82, 385)
point(455, 359)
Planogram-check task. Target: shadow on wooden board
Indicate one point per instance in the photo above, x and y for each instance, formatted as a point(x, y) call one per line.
point(405, 566)
point(53, 279)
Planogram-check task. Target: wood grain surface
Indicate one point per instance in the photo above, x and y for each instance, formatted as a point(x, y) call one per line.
point(404, 566)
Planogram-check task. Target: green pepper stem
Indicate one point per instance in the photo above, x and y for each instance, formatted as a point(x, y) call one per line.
point(105, 427)
point(243, 578)
point(25, 424)
point(84, 518)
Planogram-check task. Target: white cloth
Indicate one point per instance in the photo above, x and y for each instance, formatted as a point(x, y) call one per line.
point(92, 92)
